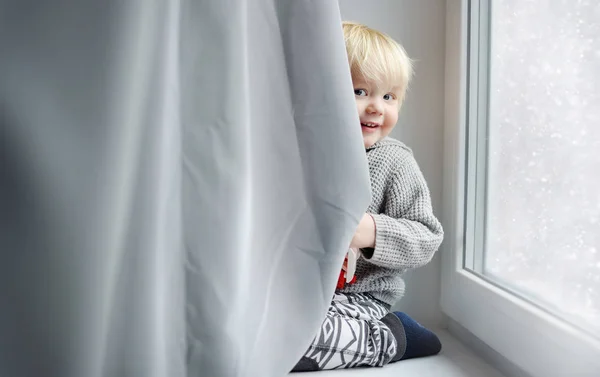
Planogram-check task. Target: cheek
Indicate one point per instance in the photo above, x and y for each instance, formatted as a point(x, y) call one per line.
point(391, 119)
point(360, 106)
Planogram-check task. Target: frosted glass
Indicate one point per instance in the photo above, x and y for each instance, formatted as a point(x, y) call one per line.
point(543, 204)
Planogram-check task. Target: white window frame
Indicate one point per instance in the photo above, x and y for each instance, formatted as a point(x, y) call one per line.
point(536, 341)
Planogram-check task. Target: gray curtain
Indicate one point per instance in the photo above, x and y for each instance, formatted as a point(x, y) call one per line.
point(179, 183)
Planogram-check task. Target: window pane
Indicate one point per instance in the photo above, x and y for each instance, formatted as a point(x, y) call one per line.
point(543, 184)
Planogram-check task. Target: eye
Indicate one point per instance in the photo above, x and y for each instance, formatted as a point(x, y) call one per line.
point(360, 92)
point(389, 97)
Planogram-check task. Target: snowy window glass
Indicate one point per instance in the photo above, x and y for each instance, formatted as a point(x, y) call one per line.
point(543, 170)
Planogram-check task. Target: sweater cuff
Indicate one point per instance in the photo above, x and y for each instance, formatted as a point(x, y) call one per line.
point(385, 238)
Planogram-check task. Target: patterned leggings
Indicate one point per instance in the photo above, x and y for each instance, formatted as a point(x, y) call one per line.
point(358, 331)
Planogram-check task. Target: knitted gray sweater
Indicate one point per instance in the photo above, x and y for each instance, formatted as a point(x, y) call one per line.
point(407, 232)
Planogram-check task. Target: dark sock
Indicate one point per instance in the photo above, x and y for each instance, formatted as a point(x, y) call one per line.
point(420, 341)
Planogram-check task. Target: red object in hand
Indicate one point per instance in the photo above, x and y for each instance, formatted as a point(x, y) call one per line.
point(342, 280)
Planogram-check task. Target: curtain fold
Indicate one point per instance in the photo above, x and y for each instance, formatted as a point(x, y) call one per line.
point(179, 183)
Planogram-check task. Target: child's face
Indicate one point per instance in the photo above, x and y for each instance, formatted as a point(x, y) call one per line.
point(378, 109)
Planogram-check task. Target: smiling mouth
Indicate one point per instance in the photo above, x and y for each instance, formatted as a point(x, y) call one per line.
point(370, 125)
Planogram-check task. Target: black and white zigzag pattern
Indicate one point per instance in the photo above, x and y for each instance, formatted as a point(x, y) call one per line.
point(352, 334)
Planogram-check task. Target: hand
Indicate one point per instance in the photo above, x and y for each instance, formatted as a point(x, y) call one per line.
point(365, 233)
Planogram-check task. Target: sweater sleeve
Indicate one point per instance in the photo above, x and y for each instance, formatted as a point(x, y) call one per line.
point(407, 233)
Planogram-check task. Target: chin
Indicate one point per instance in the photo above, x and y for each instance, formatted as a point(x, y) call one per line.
point(373, 138)
point(369, 141)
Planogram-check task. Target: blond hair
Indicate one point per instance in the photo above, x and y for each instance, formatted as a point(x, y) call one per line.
point(375, 56)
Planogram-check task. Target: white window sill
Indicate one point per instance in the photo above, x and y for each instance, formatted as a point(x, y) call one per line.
point(455, 360)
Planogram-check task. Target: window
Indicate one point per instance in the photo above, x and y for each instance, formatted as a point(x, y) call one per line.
point(540, 221)
point(522, 180)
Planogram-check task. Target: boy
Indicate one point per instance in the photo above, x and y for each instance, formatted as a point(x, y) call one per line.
point(399, 231)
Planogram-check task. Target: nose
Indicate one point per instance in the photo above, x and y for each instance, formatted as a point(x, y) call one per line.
point(375, 107)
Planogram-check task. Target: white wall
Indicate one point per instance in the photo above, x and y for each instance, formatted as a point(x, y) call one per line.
point(420, 27)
